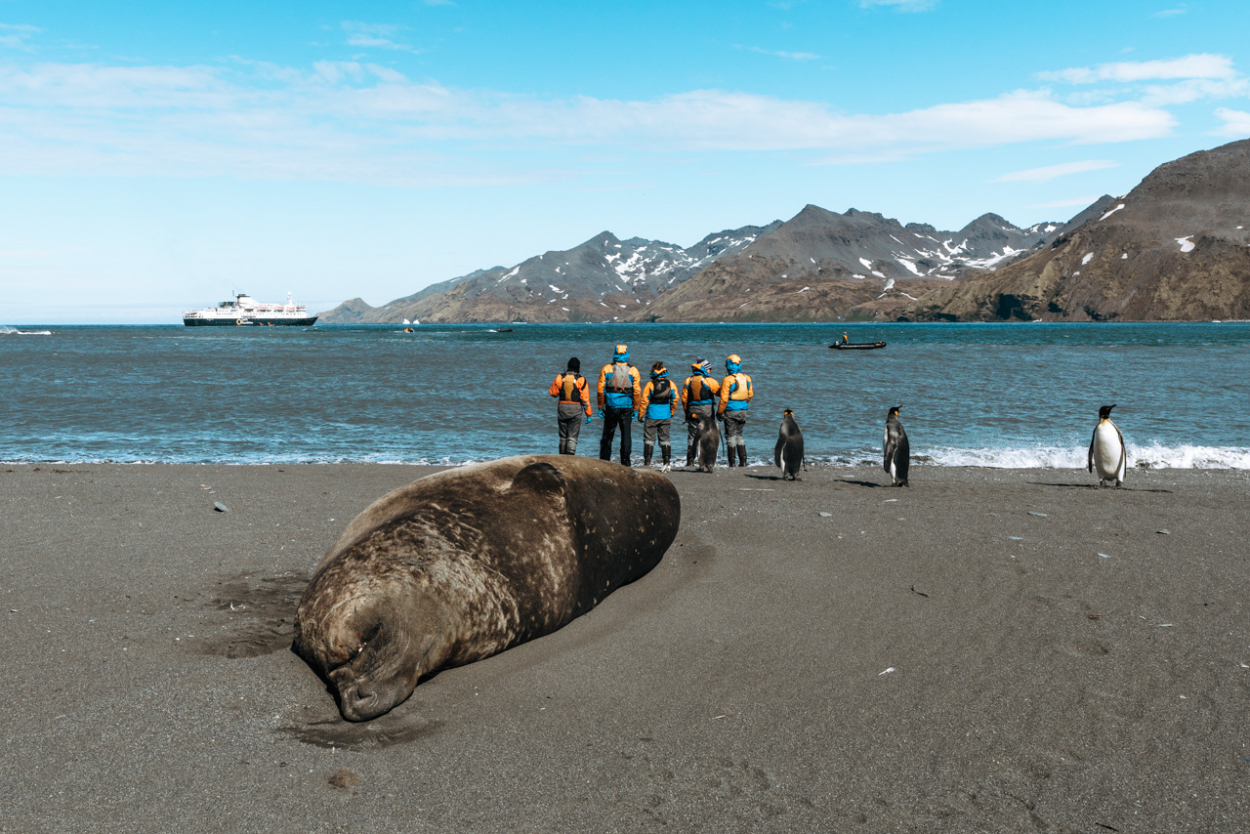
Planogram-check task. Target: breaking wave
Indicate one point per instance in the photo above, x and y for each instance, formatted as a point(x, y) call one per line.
point(1153, 456)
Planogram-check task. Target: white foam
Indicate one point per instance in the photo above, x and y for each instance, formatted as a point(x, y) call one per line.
point(5, 330)
point(1154, 456)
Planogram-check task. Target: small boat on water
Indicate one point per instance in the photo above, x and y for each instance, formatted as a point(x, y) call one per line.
point(857, 345)
point(247, 311)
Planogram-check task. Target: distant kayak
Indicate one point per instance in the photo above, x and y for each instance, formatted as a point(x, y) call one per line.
point(857, 345)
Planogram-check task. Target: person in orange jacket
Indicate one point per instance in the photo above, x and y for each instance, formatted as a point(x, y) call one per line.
point(699, 395)
point(573, 397)
point(620, 395)
point(656, 415)
point(735, 398)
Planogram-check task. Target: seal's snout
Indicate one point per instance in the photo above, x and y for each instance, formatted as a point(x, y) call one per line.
point(359, 703)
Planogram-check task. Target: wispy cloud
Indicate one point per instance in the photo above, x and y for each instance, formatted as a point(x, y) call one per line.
point(1170, 12)
point(1190, 66)
point(364, 122)
point(375, 36)
point(901, 5)
point(1236, 123)
point(792, 56)
point(17, 35)
point(1051, 172)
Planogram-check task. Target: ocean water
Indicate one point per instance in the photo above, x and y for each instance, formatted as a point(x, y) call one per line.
point(997, 395)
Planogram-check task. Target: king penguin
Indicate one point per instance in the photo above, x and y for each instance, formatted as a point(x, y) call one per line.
point(788, 454)
point(1106, 450)
point(897, 451)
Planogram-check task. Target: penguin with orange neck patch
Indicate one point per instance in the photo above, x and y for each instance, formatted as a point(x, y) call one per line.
point(1107, 454)
point(896, 449)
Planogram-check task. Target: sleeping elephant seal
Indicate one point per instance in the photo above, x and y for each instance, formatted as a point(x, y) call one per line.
point(462, 564)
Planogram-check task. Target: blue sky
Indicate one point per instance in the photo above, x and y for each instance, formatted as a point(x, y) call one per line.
point(154, 157)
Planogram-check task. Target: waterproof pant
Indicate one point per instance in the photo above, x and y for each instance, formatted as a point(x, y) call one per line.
point(569, 416)
point(650, 430)
point(735, 422)
point(613, 417)
point(707, 409)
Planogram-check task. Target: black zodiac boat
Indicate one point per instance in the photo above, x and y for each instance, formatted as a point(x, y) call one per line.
point(857, 345)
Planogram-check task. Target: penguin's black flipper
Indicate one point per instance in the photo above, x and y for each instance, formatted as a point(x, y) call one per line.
point(781, 442)
point(888, 448)
point(1122, 465)
point(903, 462)
point(1092, 441)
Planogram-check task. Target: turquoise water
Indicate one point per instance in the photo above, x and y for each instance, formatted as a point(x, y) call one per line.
point(1009, 395)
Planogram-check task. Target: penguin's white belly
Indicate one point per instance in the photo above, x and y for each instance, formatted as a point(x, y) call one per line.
point(1108, 452)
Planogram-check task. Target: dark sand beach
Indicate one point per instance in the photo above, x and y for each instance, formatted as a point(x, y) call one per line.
point(990, 650)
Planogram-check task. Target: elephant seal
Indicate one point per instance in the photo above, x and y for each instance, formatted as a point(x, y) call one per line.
point(463, 564)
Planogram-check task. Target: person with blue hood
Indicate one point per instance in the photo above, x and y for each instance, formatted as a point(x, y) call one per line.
point(698, 396)
point(735, 399)
point(620, 395)
point(656, 415)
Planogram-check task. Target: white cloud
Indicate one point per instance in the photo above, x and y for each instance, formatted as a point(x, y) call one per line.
point(1195, 89)
point(793, 56)
point(375, 36)
point(1190, 66)
point(16, 35)
point(1236, 123)
point(1169, 12)
point(901, 5)
point(1050, 172)
point(363, 122)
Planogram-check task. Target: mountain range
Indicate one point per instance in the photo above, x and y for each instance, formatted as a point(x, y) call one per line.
point(1174, 248)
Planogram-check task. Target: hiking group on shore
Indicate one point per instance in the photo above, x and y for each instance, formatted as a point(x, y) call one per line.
point(622, 399)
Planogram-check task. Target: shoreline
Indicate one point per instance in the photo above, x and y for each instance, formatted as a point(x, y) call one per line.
point(991, 649)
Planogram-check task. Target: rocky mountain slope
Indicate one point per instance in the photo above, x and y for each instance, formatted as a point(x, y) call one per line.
point(1176, 248)
point(822, 266)
point(602, 279)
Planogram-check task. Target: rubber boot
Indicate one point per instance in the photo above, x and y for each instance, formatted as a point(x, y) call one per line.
point(646, 454)
point(731, 458)
point(689, 456)
point(742, 455)
point(668, 454)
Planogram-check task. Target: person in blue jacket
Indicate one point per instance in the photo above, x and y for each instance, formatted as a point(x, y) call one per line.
point(656, 415)
point(620, 396)
point(736, 392)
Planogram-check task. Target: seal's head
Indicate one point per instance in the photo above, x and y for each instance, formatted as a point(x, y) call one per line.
point(371, 638)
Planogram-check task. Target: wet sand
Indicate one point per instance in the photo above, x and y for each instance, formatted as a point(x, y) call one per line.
point(989, 650)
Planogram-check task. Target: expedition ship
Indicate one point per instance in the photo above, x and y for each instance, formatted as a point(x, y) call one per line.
point(245, 310)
